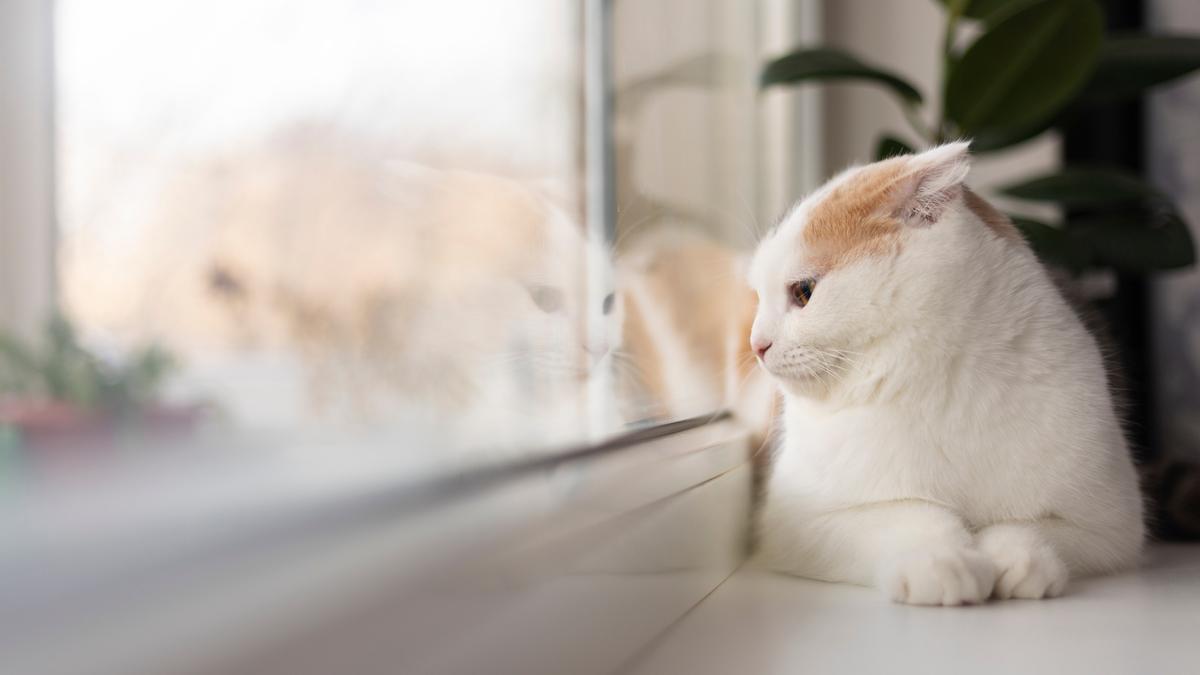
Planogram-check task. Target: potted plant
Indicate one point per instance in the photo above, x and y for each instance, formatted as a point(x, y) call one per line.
point(1035, 66)
point(54, 392)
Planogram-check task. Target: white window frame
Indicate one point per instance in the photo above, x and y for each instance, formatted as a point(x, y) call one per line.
point(27, 227)
point(791, 143)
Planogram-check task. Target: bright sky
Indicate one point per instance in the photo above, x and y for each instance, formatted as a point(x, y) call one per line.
point(469, 72)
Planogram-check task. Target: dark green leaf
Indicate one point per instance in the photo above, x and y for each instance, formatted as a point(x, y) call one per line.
point(1129, 64)
point(997, 138)
point(830, 64)
point(1054, 245)
point(1085, 187)
point(1025, 68)
point(1138, 243)
point(890, 146)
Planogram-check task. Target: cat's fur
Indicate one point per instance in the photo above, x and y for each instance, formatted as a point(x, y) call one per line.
point(949, 433)
point(686, 333)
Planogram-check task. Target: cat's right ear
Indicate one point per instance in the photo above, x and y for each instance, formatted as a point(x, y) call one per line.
point(933, 179)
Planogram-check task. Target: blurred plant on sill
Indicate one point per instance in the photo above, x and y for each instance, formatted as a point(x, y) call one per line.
point(54, 389)
point(1035, 65)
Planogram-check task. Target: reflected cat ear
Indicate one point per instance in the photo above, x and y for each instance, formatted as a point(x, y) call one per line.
point(934, 179)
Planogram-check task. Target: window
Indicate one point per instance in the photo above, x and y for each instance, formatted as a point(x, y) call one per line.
point(337, 218)
point(391, 221)
point(358, 296)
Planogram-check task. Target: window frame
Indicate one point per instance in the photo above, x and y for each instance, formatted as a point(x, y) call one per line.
point(27, 165)
point(682, 459)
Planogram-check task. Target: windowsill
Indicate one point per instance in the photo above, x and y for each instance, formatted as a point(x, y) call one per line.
point(212, 566)
point(1138, 622)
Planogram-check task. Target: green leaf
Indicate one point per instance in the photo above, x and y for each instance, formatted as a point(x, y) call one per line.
point(998, 138)
point(830, 64)
point(143, 374)
point(1025, 68)
point(18, 366)
point(1085, 187)
point(61, 368)
point(1054, 245)
point(1138, 242)
point(1130, 64)
point(890, 146)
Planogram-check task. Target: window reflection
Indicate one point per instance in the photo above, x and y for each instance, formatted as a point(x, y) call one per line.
point(367, 217)
point(335, 215)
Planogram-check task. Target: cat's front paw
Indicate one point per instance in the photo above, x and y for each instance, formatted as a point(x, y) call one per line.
point(1028, 567)
point(939, 576)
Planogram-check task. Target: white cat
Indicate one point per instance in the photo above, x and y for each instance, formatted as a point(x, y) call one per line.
point(949, 434)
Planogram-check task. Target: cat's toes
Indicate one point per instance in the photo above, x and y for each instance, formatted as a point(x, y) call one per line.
point(943, 576)
point(1031, 572)
point(1027, 567)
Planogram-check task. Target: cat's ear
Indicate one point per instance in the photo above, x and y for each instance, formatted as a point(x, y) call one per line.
point(934, 179)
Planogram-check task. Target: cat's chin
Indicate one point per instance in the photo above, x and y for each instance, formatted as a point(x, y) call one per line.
point(808, 385)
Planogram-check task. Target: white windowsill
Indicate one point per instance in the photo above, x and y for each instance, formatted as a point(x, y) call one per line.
point(272, 562)
point(1139, 622)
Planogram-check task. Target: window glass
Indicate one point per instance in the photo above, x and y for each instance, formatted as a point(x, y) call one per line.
point(330, 216)
point(688, 204)
point(367, 219)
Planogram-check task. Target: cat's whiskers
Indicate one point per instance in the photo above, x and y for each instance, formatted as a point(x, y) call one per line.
point(756, 233)
point(742, 382)
point(623, 360)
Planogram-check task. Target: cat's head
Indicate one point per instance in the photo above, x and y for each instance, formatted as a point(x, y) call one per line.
point(444, 285)
point(516, 290)
point(872, 251)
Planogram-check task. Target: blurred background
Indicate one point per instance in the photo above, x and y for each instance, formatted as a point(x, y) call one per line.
point(274, 272)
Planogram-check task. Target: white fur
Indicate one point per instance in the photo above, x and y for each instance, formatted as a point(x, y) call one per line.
point(948, 430)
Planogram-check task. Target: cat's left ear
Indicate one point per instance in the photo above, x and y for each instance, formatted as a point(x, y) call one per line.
point(934, 179)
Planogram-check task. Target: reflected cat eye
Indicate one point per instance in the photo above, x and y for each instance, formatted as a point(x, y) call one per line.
point(547, 298)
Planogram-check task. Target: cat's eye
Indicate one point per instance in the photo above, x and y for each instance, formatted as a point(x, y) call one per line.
point(547, 298)
point(609, 301)
point(801, 291)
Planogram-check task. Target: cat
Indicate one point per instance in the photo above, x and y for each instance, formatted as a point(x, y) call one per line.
point(314, 281)
point(948, 430)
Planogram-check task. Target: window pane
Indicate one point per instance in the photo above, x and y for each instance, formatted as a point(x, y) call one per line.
point(688, 204)
point(333, 216)
point(366, 219)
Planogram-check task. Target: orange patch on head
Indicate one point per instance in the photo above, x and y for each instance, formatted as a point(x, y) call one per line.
point(854, 220)
point(998, 222)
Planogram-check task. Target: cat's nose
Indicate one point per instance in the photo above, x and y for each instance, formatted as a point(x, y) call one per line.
point(596, 352)
point(760, 348)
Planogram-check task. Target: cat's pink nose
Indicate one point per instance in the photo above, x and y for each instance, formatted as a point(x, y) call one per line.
point(760, 348)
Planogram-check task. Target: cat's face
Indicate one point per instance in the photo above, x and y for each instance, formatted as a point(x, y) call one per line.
point(516, 295)
point(831, 278)
point(445, 286)
point(563, 319)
